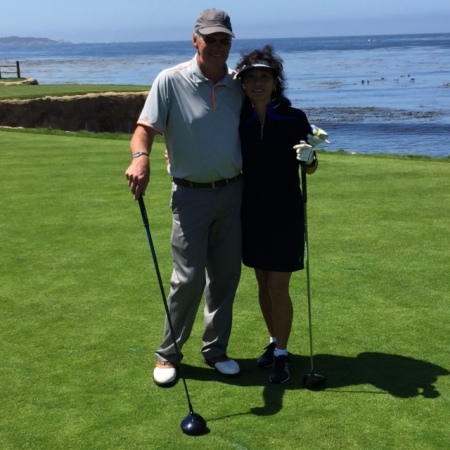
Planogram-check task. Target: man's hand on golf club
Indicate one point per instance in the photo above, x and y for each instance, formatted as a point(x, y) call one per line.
point(138, 172)
point(138, 175)
point(305, 152)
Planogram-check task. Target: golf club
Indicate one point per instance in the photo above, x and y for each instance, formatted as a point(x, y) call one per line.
point(311, 380)
point(192, 423)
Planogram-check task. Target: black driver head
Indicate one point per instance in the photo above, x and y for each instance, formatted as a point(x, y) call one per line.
point(313, 380)
point(193, 424)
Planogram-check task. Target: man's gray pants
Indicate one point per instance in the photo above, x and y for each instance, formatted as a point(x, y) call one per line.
point(206, 251)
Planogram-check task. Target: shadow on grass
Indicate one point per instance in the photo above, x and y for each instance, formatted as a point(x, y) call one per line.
point(395, 375)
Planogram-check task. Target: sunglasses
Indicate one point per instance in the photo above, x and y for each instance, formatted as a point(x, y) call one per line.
point(212, 40)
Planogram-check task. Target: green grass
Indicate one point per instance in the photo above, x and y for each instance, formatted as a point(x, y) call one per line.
point(58, 90)
point(81, 312)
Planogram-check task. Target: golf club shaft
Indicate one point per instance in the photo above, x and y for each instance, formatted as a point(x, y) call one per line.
point(308, 283)
point(163, 294)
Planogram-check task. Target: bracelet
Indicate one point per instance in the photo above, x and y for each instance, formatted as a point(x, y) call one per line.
point(137, 154)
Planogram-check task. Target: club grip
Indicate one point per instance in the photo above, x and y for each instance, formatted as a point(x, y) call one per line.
point(143, 211)
point(304, 191)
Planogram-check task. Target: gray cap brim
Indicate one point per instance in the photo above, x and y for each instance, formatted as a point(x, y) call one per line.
point(217, 29)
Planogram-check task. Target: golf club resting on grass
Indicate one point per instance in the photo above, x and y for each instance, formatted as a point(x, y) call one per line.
point(192, 423)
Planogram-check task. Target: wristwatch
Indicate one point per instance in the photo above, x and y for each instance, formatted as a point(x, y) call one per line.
point(137, 154)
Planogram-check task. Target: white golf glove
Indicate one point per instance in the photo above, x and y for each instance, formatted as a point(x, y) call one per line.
point(305, 152)
point(318, 137)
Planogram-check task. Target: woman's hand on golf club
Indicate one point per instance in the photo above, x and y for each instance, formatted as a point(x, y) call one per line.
point(305, 152)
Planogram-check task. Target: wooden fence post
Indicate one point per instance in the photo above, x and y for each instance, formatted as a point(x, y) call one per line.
point(18, 69)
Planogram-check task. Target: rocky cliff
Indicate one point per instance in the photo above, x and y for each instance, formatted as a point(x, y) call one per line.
point(107, 112)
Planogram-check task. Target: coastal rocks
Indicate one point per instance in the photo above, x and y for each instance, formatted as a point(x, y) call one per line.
point(29, 81)
point(369, 114)
point(106, 112)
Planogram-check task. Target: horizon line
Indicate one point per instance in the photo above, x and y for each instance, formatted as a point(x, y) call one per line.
point(62, 41)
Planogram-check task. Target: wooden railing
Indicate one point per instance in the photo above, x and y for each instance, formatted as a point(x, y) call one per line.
point(9, 66)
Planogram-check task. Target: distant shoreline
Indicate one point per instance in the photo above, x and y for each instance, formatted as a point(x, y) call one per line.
point(16, 40)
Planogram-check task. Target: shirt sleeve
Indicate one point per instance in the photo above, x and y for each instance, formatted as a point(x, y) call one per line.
point(155, 111)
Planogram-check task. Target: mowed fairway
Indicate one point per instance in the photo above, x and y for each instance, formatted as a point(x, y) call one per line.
point(81, 311)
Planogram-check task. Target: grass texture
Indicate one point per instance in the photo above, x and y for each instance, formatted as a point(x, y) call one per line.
point(81, 311)
point(58, 90)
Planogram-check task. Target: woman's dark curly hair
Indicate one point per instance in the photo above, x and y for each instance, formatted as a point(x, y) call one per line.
point(275, 62)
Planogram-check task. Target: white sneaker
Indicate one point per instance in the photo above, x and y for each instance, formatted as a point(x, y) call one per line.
point(165, 373)
point(224, 365)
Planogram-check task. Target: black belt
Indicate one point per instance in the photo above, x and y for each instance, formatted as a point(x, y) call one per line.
point(212, 185)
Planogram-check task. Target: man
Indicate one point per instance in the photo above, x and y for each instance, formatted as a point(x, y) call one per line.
point(196, 106)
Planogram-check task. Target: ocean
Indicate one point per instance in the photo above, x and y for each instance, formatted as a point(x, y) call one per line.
point(372, 94)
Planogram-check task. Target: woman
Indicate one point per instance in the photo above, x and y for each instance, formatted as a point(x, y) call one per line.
point(272, 209)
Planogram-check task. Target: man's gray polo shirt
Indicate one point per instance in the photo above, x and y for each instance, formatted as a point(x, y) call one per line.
point(199, 120)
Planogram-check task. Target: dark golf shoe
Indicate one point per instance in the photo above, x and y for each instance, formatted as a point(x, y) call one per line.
point(280, 370)
point(266, 359)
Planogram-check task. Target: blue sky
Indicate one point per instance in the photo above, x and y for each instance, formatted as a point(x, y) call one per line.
point(163, 20)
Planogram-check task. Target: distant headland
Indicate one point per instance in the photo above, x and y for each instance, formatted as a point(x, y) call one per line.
point(16, 40)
